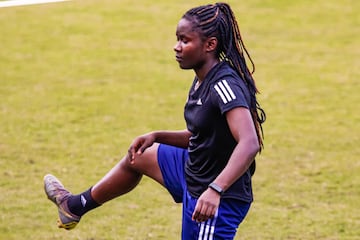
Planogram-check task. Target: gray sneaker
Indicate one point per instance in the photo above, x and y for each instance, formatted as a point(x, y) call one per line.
point(56, 192)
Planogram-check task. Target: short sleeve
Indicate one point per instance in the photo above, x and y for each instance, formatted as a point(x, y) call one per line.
point(229, 93)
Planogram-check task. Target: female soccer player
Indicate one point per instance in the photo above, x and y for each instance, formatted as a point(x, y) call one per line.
point(208, 166)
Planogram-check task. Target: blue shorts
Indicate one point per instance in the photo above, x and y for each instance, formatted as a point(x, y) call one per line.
point(230, 213)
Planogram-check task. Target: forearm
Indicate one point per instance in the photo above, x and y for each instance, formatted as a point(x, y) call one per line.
point(175, 138)
point(239, 162)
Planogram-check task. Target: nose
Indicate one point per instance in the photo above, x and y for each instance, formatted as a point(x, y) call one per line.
point(177, 47)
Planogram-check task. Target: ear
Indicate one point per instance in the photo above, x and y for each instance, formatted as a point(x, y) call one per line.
point(211, 44)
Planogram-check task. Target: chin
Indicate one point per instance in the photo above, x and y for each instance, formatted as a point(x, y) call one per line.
point(184, 66)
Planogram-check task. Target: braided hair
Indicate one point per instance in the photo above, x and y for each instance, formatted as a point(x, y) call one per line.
point(218, 20)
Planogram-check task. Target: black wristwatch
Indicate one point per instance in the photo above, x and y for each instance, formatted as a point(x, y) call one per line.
point(216, 188)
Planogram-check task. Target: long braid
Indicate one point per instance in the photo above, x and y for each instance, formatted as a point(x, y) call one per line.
point(218, 20)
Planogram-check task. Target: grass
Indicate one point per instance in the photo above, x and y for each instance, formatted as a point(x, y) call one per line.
point(80, 79)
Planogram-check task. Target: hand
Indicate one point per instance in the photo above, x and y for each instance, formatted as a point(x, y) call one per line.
point(206, 206)
point(139, 145)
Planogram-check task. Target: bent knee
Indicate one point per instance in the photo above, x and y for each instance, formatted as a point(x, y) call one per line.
point(146, 163)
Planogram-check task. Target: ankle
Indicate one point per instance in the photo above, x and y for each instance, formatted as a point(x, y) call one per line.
point(82, 203)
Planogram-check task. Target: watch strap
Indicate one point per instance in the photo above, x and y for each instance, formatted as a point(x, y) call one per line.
point(216, 188)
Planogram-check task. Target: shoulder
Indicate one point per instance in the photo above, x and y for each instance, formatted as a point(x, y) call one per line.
point(226, 69)
point(225, 72)
point(228, 88)
point(226, 78)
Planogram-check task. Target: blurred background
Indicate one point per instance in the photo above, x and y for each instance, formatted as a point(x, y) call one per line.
point(80, 79)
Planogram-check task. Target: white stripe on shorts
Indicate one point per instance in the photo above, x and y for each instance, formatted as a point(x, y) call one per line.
point(207, 229)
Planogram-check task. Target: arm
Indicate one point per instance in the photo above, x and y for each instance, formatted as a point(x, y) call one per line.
point(243, 130)
point(174, 138)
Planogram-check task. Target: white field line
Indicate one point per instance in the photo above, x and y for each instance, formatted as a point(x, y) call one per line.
point(14, 3)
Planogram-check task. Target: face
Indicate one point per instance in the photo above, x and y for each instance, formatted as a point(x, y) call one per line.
point(190, 49)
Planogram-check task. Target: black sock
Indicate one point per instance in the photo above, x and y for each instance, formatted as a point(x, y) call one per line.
point(82, 203)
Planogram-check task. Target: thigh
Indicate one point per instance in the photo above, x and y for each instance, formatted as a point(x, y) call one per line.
point(147, 164)
point(164, 164)
point(171, 162)
point(230, 215)
point(223, 225)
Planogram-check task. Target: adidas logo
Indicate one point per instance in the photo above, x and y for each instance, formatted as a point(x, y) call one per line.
point(83, 200)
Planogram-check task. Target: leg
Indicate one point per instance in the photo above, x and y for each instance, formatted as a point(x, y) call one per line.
point(121, 179)
point(125, 176)
point(223, 225)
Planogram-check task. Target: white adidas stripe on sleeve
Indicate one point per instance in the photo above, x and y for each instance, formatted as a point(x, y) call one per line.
point(224, 90)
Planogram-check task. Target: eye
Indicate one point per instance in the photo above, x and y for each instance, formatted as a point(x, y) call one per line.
point(184, 40)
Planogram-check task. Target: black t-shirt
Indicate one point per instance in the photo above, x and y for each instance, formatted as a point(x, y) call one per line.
point(212, 143)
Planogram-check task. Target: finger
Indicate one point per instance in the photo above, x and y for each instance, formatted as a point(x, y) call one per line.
point(141, 150)
point(196, 212)
point(205, 214)
point(143, 147)
point(210, 213)
point(131, 153)
point(195, 216)
point(199, 214)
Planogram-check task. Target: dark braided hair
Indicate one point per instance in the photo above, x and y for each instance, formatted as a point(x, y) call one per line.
point(218, 20)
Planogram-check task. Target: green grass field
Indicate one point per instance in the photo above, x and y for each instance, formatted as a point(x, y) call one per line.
point(80, 79)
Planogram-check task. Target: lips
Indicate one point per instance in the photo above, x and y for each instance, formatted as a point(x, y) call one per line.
point(178, 58)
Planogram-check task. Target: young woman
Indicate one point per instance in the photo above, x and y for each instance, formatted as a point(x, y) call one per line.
point(208, 166)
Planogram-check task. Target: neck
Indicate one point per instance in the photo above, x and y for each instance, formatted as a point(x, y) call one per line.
point(204, 69)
